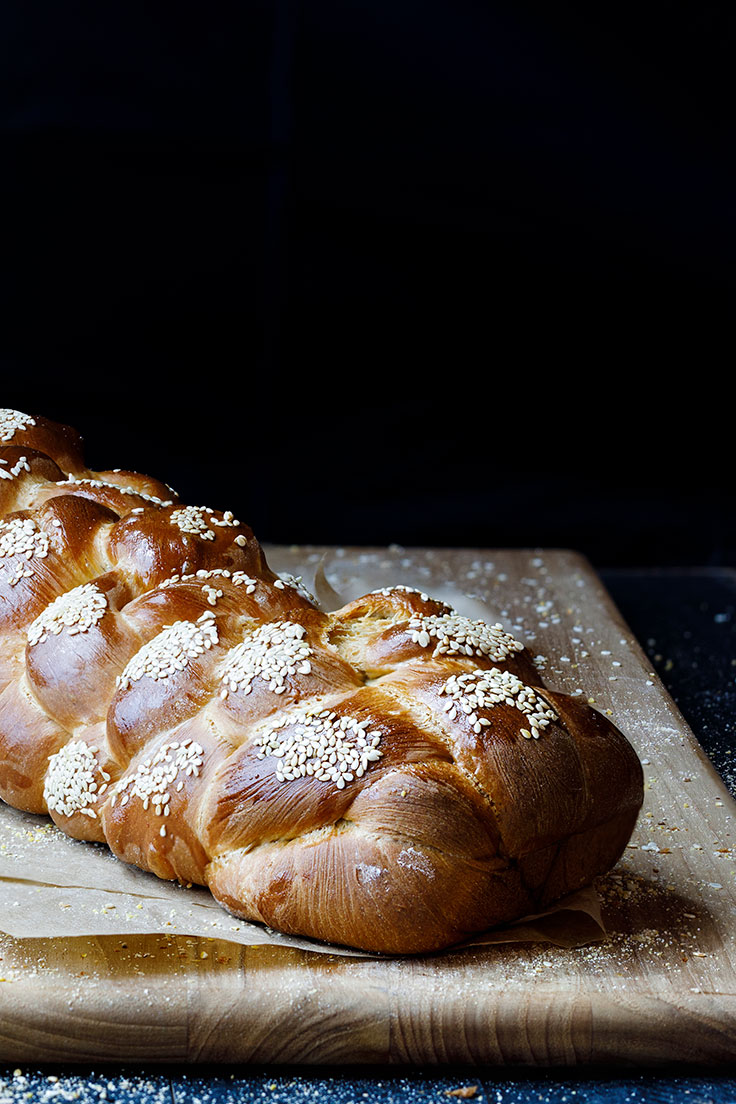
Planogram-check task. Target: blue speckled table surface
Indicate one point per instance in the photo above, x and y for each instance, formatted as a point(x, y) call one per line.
point(686, 622)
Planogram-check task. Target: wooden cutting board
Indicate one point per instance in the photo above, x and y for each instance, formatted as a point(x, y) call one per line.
point(661, 988)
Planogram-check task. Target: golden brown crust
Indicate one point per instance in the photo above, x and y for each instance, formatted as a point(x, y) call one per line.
point(390, 776)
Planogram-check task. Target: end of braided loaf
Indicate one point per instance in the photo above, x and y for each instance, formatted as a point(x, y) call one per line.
point(389, 776)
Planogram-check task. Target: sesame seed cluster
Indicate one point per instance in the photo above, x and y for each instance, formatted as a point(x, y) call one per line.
point(458, 635)
point(474, 691)
point(21, 539)
point(76, 611)
point(174, 762)
point(272, 652)
point(322, 744)
point(197, 521)
point(171, 650)
point(11, 421)
point(213, 594)
point(71, 784)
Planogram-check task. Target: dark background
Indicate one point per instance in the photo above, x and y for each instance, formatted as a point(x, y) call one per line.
point(442, 273)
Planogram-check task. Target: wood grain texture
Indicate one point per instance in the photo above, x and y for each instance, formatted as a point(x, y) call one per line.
point(662, 989)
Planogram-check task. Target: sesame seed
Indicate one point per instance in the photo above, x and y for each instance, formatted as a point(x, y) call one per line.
point(212, 594)
point(241, 579)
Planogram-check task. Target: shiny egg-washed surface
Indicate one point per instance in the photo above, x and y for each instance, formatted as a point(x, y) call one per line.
point(389, 775)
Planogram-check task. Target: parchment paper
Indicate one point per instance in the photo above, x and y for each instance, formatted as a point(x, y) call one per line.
point(52, 886)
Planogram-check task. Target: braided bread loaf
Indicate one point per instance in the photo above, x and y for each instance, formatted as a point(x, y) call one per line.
point(389, 776)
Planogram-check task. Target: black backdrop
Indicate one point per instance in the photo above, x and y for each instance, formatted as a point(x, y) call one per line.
point(445, 273)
